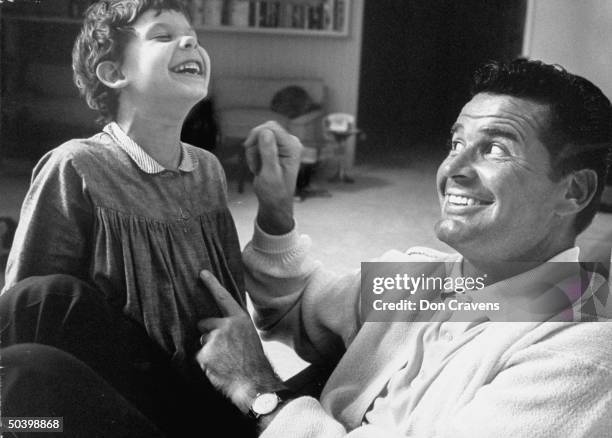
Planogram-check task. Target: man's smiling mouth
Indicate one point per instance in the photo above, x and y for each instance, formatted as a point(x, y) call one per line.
point(189, 67)
point(459, 199)
point(464, 200)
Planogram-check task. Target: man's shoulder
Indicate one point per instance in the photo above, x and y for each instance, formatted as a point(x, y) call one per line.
point(581, 341)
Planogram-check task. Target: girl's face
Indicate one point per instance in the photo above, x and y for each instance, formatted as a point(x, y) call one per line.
point(163, 63)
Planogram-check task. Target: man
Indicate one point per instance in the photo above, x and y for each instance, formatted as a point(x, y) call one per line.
point(523, 177)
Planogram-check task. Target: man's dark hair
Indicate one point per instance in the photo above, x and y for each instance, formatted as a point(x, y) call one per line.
point(579, 134)
point(105, 32)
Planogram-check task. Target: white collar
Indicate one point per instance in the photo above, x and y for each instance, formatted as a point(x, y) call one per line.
point(520, 295)
point(144, 161)
point(571, 255)
point(528, 296)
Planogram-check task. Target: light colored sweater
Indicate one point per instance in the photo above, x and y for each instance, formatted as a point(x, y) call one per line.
point(424, 379)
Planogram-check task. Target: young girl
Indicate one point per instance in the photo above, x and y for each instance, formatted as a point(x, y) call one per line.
point(133, 212)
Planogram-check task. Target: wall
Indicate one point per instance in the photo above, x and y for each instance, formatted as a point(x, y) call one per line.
point(574, 34)
point(335, 60)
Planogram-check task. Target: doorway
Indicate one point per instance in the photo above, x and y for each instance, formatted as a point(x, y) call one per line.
point(416, 64)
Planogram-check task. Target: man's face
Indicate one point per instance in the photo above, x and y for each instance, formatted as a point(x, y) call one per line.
point(496, 196)
point(163, 62)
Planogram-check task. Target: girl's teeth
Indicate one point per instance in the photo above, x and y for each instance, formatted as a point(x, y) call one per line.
point(189, 67)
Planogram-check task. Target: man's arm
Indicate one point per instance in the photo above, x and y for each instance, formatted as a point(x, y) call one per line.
point(295, 298)
point(233, 360)
point(559, 386)
point(273, 155)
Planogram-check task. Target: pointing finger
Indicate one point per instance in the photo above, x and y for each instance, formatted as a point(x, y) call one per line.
point(227, 304)
point(210, 324)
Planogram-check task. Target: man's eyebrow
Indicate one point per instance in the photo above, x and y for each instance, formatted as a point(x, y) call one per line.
point(504, 133)
point(456, 127)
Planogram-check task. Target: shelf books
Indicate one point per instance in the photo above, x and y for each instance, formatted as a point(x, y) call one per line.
point(323, 15)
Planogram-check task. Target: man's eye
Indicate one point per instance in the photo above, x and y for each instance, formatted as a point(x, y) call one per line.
point(497, 151)
point(456, 146)
point(162, 37)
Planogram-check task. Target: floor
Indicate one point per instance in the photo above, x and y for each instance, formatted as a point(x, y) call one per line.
point(392, 204)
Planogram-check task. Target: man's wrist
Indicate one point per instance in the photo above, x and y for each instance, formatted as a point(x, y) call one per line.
point(284, 396)
point(263, 412)
point(247, 393)
point(275, 221)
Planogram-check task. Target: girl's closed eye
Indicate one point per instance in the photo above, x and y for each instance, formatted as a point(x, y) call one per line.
point(162, 37)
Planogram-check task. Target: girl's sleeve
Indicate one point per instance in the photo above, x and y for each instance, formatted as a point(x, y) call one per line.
point(55, 226)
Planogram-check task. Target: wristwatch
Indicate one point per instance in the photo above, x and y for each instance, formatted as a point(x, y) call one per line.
point(267, 402)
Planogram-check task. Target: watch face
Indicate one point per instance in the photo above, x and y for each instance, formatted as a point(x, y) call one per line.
point(265, 403)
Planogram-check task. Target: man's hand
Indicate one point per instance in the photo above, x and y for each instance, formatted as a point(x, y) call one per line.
point(232, 356)
point(273, 155)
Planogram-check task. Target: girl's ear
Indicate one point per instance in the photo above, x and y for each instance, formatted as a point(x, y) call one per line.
point(109, 74)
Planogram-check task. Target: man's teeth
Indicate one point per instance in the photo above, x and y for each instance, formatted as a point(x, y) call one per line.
point(188, 67)
point(462, 200)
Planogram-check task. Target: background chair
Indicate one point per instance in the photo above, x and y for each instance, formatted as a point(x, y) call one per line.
point(340, 127)
point(241, 103)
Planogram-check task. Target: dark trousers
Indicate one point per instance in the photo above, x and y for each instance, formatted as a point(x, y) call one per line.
point(71, 316)
point(42, 381)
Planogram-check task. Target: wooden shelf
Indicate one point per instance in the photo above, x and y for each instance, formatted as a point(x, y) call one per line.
point(223, 28)
point(203, 28)
point(273, 31)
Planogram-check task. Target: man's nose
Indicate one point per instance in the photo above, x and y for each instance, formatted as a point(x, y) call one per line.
point(188, 42)
point(460, 164)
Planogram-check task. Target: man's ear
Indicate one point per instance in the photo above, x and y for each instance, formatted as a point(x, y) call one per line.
point(109, 74)
point(580, 189)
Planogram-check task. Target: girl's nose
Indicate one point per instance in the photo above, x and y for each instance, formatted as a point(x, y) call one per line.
point(188, 42)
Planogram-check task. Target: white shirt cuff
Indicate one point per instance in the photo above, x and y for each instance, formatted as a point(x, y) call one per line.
point(303, 417)
point(268, 243)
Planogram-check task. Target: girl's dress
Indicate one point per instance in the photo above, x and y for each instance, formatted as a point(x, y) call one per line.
point(101, 209)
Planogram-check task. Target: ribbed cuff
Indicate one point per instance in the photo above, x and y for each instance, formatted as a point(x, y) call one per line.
point(268, 243)
point(303, 417)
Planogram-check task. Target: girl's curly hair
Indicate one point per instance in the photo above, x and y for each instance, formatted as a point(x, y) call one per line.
point(105, 32)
